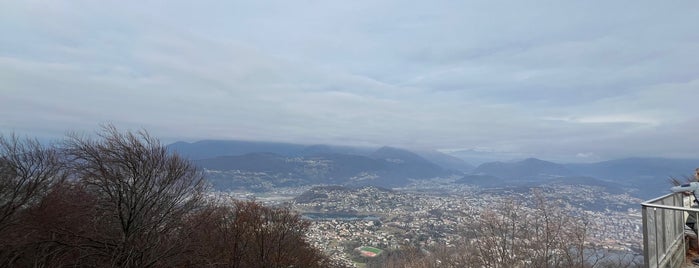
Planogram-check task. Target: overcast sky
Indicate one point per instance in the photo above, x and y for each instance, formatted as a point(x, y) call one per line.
point(558, 80)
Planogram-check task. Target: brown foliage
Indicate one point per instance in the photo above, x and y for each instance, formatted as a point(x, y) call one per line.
point(247, 234)
point(128, 202)
point(55, 232)
point(27, 171)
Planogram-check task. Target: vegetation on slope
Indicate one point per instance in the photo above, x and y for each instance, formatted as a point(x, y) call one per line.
point(123, 200)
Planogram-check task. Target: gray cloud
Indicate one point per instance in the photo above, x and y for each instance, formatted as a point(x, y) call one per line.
point(572, 81)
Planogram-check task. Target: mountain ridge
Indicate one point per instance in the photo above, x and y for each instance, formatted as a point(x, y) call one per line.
point(296, 164)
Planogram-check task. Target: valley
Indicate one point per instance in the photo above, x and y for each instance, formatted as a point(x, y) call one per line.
point(436, 213)
point(392, 199)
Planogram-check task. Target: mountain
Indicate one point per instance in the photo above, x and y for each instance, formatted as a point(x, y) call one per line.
point(254, 162)
point(324, 149)
point(648, 176)
point(638, 168)
point(480, 157)
point(387, 167)
point(208, 149)
point(265, 165)
point(446, 161)
point(214, 148)
point(396, 155)
point(276, 170)
point(642, 177)
point(403, 164)
point(609, 187)
point(528, 169)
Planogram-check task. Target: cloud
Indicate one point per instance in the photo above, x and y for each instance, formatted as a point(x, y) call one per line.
point(548, 79)
point(608, 119)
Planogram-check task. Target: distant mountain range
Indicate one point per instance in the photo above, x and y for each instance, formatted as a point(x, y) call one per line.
point(528, 169)
point(214, 148)
point(260, 165)
point(265, 165)
point(644, 177)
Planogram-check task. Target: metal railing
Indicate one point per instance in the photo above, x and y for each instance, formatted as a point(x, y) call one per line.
point(664, 230)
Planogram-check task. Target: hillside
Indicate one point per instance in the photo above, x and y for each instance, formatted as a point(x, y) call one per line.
point(386, 167)
point(528, 169)
point(446, 161)
point(642, 177)
point(213, 148)
point(265, 165)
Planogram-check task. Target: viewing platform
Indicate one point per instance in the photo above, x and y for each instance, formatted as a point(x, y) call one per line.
point(667, 243)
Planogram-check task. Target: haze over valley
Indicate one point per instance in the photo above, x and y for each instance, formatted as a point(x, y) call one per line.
point(389, 197)
point(263, 166)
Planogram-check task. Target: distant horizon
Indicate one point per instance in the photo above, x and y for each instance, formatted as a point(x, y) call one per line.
point(487, 156)
point(450, 152)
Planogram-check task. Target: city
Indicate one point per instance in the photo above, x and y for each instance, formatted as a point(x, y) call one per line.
point(437, 212)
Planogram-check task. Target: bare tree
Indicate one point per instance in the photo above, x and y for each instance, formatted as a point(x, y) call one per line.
point(247, 234)
point(275, 237)
point(143, 194)
point(27, 171)
point(548, 232)
point(120, 199)
point(501, 236)
point(218, 239)
point(54, 231)
point(542, 234)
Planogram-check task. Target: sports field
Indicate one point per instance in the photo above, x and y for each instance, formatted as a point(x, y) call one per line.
point(369, 251)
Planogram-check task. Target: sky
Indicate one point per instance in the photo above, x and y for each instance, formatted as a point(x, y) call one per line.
point(574, 81)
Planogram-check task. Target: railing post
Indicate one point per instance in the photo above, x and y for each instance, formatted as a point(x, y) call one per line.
point(657, 245)
point(667, 220)
point(694, 229)
point(644, 216)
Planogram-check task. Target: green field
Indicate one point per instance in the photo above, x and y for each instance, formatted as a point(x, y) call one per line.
point(371, 249)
